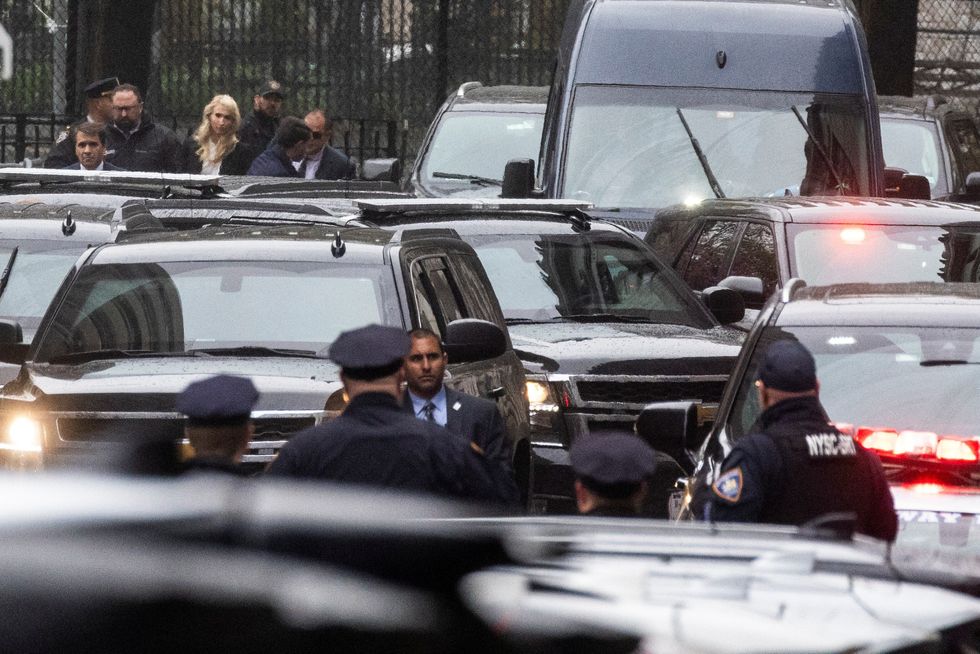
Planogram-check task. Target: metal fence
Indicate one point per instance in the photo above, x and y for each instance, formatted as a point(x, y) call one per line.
point(948, 50)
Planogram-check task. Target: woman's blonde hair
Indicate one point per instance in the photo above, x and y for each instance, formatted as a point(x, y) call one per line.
point(226, 143)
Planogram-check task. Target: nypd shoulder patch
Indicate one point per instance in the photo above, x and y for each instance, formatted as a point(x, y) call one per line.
point(729, 485)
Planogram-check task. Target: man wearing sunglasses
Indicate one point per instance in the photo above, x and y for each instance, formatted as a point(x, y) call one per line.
point(323, 161)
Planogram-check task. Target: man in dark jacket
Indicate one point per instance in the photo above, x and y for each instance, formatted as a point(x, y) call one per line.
point(90, 146)
point(796, 466)
point(323, 161)
point(288, 146)
point(375, 443)
point(258, 129)
point(219, 422)
point(135, 142)
point(611, 471)
point(98, 109)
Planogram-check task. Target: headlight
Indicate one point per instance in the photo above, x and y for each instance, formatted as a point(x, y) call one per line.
point(539, 397)
point(22, 435)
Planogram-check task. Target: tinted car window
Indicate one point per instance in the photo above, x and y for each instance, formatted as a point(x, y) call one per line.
point(551, 277)
point(967, 142)
point(756, 257)
point(913, 145)
point(901, 378)
point(33, 277)
point(184, 306)
point(830, 254)
point(627, 146)
point(480, 302)
point(709, 258)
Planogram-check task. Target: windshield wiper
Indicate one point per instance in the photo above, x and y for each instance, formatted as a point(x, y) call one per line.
point(947, 362)
point(255, 351)
point(97, 355)
point(5, 276)
point(601, 317)
point(838, 183)
point(473, 179)
point(712, 180)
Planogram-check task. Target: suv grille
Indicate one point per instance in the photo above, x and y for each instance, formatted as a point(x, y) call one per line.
point(644, 392)
point(117, 430)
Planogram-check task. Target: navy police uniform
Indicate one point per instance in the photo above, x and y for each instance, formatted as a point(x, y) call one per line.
point(612, 464)
point(796, 466)
point(218, 401)
point(376, 443)
point(62, 153)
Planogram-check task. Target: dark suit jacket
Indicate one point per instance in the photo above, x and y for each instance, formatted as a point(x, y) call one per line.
point(335, 165)
point(236, 162)
point(477, 420)
point(105, 166)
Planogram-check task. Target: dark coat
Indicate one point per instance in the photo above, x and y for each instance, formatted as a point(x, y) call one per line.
point(105, 166)
point(152, 148)
point(215, 465)
point(375, 443)
point(334, 164)
point(235, 162)
point(62, 153)
point(273, 163)
point(256, 133)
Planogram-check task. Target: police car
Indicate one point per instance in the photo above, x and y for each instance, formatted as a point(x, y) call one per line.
point(899, 370)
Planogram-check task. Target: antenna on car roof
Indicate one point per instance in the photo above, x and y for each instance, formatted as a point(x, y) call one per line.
point(338, 247)
point(68, 225)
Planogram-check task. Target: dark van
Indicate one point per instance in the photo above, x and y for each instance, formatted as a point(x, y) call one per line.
point(660, 102)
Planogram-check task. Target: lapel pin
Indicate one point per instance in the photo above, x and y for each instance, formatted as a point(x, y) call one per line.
point(456, 406)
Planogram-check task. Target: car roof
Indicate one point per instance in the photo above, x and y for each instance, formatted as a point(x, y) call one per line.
point(473, 96)
point(252, 243)
point(844, 210)
point(40, 221)
point(500, 222)
point(913, 304)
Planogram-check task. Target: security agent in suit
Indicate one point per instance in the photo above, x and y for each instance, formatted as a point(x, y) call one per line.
point(473, 418)
point(374, 443)
point(795, 466)
point(98, 109)
point(323, 161)
point(611, 471)
point(219, 423)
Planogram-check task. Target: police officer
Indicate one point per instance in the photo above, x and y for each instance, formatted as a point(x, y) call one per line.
point(98, 106)
point(796, 466)
point(376, 443)
point(219, 423)
point(611, 471)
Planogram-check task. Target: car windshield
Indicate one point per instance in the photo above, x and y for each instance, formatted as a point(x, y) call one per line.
point(544, 277)
point(178, 307)
point(630, 147)
point(897, 378)
point(476, 146)
point(913, 145)
point(33, 276)
point(825, 254)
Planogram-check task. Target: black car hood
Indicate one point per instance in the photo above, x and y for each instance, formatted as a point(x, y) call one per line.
point(626, 349)
point(143, 385)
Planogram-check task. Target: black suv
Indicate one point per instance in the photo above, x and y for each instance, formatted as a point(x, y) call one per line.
point(755, 246)
point(899, 369)
point(136, 321)
point(930, 137)
point(475, 132)
point(602, 326)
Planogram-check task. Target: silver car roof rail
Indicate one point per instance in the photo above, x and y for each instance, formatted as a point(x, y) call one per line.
point(790, 289)
point(466, 86)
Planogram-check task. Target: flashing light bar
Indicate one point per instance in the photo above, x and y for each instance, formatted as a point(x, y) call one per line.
point(853, 235)
point(914, 444)
point(402, 205)
point(106, 177)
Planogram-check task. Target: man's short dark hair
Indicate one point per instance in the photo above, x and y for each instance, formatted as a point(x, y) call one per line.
point(89, 129)
point(292, 130)
point(422, 332)
point(128, 87)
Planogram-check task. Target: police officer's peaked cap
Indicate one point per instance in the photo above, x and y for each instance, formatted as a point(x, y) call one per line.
point(218, 400)
point(788, 366)
point(370, 352)
point(101, 87)
point(612, 462)
point(272, 87)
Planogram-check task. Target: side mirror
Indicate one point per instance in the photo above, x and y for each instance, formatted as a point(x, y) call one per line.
point(381, 170)
point(469, 340)
point(671, 428)
point(750, 288)
point(900, 184)
point(518, 179)
point(973, 184)
point(726, 305)
point(12, 349)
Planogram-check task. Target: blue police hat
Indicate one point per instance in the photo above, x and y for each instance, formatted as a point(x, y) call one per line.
point(101, 87)
point(612, 462)
point(788, 366)
point(218, 400)
point(370, 352)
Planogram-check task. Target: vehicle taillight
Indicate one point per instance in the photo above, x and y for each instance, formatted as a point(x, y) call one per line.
point(916, 444)
point(852, 235)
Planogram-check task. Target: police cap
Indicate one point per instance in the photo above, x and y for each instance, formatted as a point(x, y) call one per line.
point(218, 400)
point(370, 352)
point(101, 87)
point(272, 87)
point(788, 366)
point(612, 463)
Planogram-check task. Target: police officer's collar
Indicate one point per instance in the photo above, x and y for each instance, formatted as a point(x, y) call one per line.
point(807, 404)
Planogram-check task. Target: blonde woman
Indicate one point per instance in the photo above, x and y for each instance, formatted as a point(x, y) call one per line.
point(214, 148)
